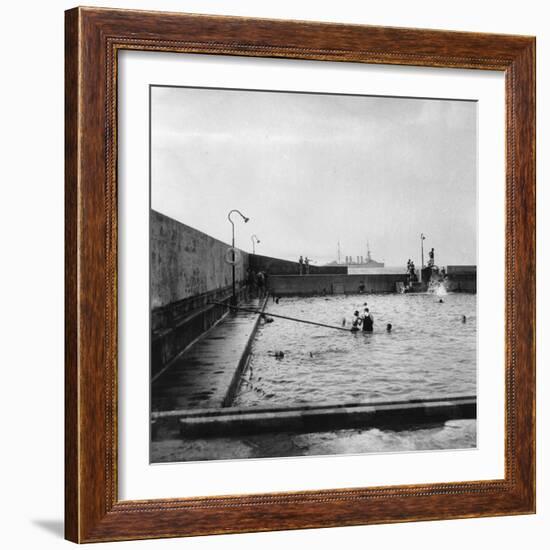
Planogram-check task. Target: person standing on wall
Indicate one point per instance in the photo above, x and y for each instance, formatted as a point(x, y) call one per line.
point(431, 261)
point(301, 263)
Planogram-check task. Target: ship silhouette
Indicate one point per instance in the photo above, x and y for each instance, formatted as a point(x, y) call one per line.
point(357, 261)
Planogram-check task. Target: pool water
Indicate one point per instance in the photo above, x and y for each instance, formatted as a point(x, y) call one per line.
point(429, 353)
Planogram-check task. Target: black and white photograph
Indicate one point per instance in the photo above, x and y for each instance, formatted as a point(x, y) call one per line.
point(274, 275)
point(313, 274)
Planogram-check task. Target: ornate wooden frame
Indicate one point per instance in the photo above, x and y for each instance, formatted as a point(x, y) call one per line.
point(93, 38)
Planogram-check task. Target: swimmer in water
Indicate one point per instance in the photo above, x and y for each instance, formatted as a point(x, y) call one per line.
point(464, 318)
point(368, 321)
point(356, 321)
point(440, 300)
point(388, 327)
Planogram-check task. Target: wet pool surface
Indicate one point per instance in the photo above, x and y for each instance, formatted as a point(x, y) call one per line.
point(455, 434)
point(429, 353)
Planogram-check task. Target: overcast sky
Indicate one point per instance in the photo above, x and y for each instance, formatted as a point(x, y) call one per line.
point(312, 169)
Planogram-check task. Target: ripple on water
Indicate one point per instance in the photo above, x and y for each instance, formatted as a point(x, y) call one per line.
point(429, 352)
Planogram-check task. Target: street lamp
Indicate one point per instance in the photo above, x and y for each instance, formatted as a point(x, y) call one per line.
point(422, 238)
point(255, 241)
point(245, 219)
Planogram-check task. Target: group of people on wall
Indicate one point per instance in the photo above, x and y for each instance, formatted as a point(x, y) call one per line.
point(303, 265)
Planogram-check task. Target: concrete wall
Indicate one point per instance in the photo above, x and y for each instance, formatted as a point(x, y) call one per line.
point(276, 266)
point(462, 278)
point(288, 285)
point(461, 269)
point(186, 262)
point(188, 273)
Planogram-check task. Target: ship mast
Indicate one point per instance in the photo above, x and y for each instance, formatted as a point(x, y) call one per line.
point(368, 252)
point(338, 250)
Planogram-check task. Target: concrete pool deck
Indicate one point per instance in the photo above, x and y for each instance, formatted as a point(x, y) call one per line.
point(207, 374)
point(311, 418)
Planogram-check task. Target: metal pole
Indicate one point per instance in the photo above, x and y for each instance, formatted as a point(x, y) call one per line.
point(422, 253)
point(234, 294)
point(254, 239)
point(245, 219)
point(281, 316)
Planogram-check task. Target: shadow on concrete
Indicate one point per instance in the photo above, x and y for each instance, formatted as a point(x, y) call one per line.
point(55, 527)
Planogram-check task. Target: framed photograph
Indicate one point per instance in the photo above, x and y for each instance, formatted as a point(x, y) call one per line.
point(300, 275)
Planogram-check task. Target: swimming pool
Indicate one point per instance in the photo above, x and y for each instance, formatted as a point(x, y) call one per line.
point(429, 353)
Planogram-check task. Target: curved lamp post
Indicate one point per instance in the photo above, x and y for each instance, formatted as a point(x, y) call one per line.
point(245, 219)
point(255, 241)
point(422, 238)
